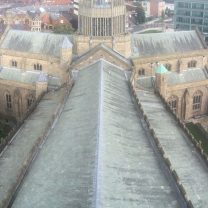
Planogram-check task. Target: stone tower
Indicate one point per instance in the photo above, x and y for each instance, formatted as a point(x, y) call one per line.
point(103, 21)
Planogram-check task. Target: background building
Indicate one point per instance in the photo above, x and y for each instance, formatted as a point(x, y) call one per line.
point(190, 14)
point(157, 7)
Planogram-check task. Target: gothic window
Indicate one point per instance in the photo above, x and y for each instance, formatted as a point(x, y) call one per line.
point(14, 63)
point(8, 101)
point(168, 67)
point(141, 72)
point(197, 100)
point(192, 64)
point(38, 67)
point(30, 100)
point(173, 103)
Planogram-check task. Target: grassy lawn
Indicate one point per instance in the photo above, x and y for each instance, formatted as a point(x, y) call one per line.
point(151, 31)
point(198, 135)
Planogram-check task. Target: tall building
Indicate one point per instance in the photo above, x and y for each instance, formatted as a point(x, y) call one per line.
point(190, 14)
point(103, 21)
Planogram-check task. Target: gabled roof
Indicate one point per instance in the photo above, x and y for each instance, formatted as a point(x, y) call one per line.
point(105, 48)
point(146, 45)
point(104, 156)
point(35, 42)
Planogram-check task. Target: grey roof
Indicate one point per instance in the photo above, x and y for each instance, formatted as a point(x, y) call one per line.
point(15, 157)
point(104, 47)
point(186, 76)
point(98, 154)
point(146, 82)
point(185, 159)
point(165, 43)
point(193, 1)
point(18, 75)
point(35, 42)
point(48, 8)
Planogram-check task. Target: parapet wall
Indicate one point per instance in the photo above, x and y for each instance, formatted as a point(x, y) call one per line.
point(161, 150)
point(8, 196)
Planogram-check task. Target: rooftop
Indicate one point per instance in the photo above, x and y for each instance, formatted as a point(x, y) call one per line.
point(29, 42)
point(186, 161)
point(28, 77)
point(187, 76)
point(103, 160)
point(153, 44)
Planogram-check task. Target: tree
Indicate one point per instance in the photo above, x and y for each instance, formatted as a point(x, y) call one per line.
point(168, 12)
point(63, 29)
point(74, 22)
point(163, 15)
point(139, 14)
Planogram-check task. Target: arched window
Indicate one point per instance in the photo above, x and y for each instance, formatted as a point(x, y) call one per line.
point(8, 99)
point(14, 63)
point(192, 64)
point(141, 72)
point(173, 103)
point(168, 67)
point(30, 100)
point(197, 101)
point(38, 67)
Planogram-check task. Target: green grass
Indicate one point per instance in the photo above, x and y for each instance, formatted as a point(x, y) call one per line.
point(198, 135)
point(151, 31)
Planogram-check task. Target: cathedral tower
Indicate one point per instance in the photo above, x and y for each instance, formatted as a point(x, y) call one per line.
point(103, 21)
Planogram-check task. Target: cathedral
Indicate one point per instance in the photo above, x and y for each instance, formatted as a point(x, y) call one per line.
point(102, 114)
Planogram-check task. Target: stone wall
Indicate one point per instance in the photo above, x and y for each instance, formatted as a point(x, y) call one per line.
point(25, 62)
point(20, 93)
point(98, 55)
point(178, 62)
point(121, 44)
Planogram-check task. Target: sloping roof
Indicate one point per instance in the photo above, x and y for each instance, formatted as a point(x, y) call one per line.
point(144, 45)
point(101, 47)
point(146, 82)
point(104, 156)
point(191, 169)
point(160, 69)
point(15, 157)
point(186, 76)
point(34, 42)
point(17, 75)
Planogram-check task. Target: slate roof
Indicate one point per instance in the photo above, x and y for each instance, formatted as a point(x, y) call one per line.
point(104, 157)
point(37, 43)
point(191, 168)
point(146, 45)
point(104, 47)
point(18, 75)
point(186, 76)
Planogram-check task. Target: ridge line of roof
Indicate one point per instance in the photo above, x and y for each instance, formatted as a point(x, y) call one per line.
point(108, 49)
point(99, 136)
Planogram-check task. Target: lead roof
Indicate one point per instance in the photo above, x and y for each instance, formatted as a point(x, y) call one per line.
point(36, 42)
point(157, 44)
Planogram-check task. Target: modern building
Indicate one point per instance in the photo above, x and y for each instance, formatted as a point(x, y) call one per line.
point(190, 14)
